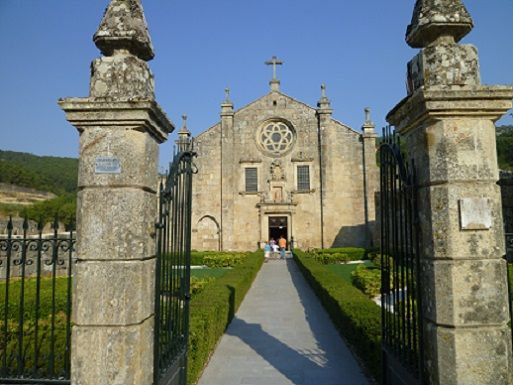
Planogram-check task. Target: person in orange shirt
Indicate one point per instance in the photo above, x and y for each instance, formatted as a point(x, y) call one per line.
point(282, 242)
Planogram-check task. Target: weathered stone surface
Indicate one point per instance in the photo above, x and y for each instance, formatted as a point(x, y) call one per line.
point(124, 27)
point(466, 292)
point(427, 105)
point(136, 151)
point(444, 65)
point(116, 223)
point(434, 18)
point(113, 355)
point(444, 236)
point(140, 115)
point(103, 285)
point(121, 77)
point(468, 356)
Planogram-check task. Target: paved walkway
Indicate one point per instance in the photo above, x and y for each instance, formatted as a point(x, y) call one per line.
point(281, 335)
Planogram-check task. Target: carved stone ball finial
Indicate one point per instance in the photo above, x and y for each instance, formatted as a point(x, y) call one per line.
point(434, 19)
point(124, 27)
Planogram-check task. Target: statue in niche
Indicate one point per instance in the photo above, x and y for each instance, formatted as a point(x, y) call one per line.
point(277, 173)
point(277, 194)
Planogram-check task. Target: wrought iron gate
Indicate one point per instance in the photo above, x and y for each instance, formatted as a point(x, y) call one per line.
point(401, 307)
point(173, 272)
point(35, 303)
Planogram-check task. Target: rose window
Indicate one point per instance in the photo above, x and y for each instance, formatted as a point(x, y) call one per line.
point(276, 137)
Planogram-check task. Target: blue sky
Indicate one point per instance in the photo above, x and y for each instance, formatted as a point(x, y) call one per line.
point(202, 46)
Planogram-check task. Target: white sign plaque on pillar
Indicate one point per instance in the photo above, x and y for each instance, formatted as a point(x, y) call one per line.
point(475, 214)
point(107, 165)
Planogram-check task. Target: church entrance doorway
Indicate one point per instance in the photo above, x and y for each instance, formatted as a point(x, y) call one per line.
point(278, 226)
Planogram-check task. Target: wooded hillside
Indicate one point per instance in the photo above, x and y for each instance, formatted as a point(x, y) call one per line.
point(44, 173)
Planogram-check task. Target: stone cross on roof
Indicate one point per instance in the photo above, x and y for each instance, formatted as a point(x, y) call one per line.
point(274, 62)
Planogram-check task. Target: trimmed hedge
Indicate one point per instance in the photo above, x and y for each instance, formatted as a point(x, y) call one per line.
point(213, 309)
point(367, 280)
point(339, 254)
point(43, 338)
point(217, 258)
point(356, 317)
point(44, 346)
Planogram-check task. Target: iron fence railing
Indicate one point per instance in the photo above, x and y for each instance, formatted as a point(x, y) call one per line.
point(173, 272)
point(35, 305)
point(400, 273)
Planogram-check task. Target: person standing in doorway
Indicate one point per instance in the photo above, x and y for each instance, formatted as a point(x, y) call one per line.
point(282, 242)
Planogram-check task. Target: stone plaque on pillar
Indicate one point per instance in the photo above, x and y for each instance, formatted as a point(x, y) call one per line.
point(475, 214)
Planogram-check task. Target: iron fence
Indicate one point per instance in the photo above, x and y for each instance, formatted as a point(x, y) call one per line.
point(400, 280)
point(35, 296)
point(173, 272)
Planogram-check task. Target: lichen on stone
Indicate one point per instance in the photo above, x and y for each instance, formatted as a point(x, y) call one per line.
point(435, 18)
point(121, 77)
point(124, 27)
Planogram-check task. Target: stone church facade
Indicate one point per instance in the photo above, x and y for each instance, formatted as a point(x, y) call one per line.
point(278, 167)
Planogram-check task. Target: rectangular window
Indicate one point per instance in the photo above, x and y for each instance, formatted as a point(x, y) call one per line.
point(303, 178)
point(251, 179)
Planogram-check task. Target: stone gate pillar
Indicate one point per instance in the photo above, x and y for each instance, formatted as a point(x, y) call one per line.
point(120, 127)
point(448, 122)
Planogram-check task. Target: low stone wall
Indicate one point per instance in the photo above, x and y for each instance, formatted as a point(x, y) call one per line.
point(45, 255)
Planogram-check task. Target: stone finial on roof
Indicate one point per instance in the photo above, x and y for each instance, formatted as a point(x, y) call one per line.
point(368, 126)
point(184, 141)
point(184, 129)
point(227, 96)
point(433, 19)
point(227, 105)
point(324, 102)
point(124, 27)
point(368, 119)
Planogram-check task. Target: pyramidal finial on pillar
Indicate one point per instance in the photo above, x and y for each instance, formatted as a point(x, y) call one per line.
point(124, 27)
point(433, 19)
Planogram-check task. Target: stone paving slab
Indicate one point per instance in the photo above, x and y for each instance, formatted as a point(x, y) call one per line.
point(281, 335)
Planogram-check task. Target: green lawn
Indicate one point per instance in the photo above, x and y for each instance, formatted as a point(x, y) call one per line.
point(344, 270)
point(215, 272)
